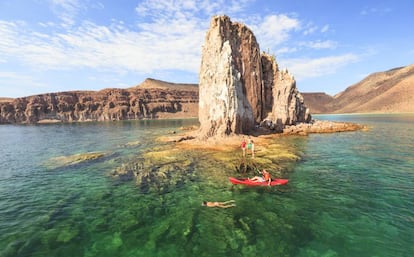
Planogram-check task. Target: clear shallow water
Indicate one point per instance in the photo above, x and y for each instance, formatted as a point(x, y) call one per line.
point(351, 195)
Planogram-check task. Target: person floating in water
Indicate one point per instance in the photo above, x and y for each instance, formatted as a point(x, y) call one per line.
point(226, 204)
point(264, 178)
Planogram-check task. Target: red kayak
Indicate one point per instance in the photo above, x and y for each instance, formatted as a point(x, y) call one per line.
point(247, 182)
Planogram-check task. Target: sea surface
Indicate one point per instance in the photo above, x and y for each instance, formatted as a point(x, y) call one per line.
point(350, 194)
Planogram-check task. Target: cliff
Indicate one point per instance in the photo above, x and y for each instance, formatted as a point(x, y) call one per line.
point(154, 99)
point(240, 88)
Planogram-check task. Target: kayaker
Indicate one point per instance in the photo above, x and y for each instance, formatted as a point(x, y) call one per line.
point(264, 178)
point(226, 204)
point(267, 176)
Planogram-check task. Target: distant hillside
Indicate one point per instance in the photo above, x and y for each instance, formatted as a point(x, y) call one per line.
point(5, 99)
point(317, 102)
point(391, 91)
point(151, 100)
point(154, 83)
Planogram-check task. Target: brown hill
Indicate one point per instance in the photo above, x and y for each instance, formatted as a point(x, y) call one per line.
point(5, 99)
point(390, 91)
point(317, 102)
point(154, 83)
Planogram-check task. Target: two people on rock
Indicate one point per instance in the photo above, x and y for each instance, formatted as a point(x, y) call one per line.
point(245, 144)
point(249, 144)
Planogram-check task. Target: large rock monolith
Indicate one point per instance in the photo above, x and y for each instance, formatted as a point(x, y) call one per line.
point(239, 87)
point(230, 86)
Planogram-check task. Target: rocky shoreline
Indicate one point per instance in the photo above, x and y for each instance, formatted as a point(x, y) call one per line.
point(260, 134)
point(320, 126)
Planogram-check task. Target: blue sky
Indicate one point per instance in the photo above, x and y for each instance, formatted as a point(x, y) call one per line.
point(62, 45)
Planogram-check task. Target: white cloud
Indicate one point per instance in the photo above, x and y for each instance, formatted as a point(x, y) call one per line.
point(170, 39)
point(310, 68)
point(92, 46)
point(327, 44)
point(67, 10)
point(8, 75)
point(11, 82)
point(285, 50)
point(273, 30)
point(46, 24)
point(165, 8)
point(375, 10)
point(310, 30)
point(325, 28)
point(189, 8)
point(168, 36)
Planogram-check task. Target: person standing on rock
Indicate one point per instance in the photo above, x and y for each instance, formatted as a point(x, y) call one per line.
point(250, 146)
point(243, 146)
point(252, 149)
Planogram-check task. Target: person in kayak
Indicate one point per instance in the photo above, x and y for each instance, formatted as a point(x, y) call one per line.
point(226, 204)
point(264, 178)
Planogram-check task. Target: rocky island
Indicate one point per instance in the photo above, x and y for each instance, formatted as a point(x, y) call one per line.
point(241, 90)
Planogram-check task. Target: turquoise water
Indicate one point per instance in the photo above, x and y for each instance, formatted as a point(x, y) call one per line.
point(352, 194)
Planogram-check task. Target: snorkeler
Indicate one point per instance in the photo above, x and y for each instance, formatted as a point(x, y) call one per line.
point(226, 204)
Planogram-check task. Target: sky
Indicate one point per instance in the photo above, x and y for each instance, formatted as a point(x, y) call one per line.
point(63, 45)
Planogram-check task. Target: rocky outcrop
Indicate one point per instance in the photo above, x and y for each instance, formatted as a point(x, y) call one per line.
point(147, 102)
point(282, 97)
point(322, 126)
point(240, 88)
point(230, 81)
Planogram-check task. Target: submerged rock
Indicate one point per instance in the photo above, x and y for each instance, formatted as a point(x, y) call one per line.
point(70, 160)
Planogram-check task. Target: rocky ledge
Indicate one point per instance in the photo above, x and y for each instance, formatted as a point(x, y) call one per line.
point(320, 126)
point(263, 133)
